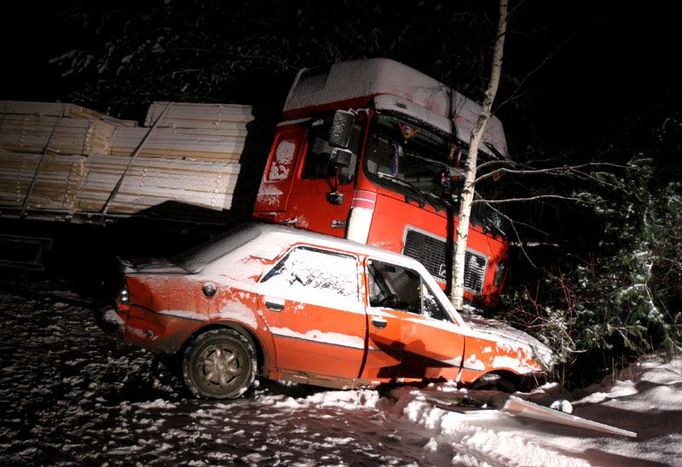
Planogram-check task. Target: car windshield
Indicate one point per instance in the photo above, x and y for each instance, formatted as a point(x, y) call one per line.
point(412, 160)
point(198, 257)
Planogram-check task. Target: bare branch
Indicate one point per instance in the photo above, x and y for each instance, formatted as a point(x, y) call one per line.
point(561, 170)
point(516, 232)
point(530, 198)
point(495, 162)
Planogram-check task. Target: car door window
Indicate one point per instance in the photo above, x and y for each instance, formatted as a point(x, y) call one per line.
point(394, 286)
point(315, 274)
point(431, 307)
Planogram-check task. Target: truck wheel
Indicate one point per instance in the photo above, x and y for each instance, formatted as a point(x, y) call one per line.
point(219, 364)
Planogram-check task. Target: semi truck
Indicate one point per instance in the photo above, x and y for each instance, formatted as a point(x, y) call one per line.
point(369, 150)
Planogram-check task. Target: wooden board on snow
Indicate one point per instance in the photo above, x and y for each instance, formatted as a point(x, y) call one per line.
point(522, 408)
point(486, 400)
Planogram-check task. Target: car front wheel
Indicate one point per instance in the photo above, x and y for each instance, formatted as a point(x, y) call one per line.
point(219, 364)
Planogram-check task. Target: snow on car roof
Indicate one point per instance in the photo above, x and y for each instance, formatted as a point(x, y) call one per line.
point(279, 236)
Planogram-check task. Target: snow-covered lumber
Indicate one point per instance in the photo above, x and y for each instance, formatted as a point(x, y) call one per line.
point(48, 109)
point(150, 182)
point(191, 115)
point(186, 143)
point(64, 135)
point(56, 183)
point(192, 157)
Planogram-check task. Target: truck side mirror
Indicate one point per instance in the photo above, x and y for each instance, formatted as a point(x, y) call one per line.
point(341, 157)
point(340, 129)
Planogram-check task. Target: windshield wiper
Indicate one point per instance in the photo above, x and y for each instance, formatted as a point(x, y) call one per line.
point(423, 195)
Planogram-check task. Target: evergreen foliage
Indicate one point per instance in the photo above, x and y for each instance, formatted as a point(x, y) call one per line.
point(622, 298)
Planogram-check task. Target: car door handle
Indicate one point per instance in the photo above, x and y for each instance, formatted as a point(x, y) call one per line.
point(379, 322)
point(274, 304)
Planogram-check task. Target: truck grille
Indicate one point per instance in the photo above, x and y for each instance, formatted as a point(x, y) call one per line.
point(431, 252)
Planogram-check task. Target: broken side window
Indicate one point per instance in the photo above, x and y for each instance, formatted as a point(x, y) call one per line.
point(393, 286)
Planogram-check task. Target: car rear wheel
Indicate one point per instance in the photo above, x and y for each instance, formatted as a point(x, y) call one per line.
point(219, 364)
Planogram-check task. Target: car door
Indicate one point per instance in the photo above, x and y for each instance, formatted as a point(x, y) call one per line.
point(419, 334)
point(311, 305)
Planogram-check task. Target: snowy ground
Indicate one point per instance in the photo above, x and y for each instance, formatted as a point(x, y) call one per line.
point(72, 393)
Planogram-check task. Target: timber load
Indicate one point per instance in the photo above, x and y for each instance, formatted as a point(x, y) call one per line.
point(70, 161)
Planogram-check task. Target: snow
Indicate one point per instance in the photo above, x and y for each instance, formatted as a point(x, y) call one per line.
point(333, 338)
point(73, 393)
point(281, 165)
point(350, 80)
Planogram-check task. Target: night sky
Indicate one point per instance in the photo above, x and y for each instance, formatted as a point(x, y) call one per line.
point(590, 73)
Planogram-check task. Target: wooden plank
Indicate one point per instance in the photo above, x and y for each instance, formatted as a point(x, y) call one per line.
point(57, 183)
point(171, 143)
point(150, 182)
point(198, 115)
point(16, 173)
point(30, 134)
point(53, 109)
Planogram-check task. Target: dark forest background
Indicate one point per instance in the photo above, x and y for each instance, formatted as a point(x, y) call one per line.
point(590, 98)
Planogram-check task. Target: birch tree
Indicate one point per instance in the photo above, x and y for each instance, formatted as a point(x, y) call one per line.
point(467, 196)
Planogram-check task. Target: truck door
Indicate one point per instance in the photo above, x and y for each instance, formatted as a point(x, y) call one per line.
point(322, 192)
point(279, 174)
point(311, 305)
point(425, 341)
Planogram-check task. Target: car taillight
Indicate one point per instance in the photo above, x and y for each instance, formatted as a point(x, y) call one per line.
point(123, 300)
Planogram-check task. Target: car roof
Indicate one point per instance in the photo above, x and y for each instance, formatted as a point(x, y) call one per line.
point(293, 235)
point(272, 239)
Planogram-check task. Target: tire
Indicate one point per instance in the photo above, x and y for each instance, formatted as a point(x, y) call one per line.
point(219, 364)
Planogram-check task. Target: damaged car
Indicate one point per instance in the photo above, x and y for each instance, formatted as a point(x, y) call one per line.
point(290, 305)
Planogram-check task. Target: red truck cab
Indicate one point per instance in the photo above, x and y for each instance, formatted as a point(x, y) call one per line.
point(373, 151)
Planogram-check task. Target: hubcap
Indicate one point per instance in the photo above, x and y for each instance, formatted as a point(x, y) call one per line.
point(219, 365)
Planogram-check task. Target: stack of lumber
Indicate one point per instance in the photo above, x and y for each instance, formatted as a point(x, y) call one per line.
point(65, 157)
point(152, 181)
point(56, 184)
point(203, 132)
point(62, 128)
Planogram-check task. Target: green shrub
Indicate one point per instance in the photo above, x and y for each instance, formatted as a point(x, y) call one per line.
point(623, 300)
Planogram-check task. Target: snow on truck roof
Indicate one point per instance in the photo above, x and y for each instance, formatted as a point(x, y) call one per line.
point(353, 80)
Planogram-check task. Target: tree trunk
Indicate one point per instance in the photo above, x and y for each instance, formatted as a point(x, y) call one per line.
point(467, 196)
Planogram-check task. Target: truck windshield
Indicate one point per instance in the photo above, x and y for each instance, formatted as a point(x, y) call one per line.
point(413, 160)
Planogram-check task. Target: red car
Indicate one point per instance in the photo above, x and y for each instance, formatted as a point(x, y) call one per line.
point(303, 307)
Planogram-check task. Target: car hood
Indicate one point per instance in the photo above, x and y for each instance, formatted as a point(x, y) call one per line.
point(499, 331)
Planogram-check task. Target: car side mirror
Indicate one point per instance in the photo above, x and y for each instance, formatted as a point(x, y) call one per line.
point(340, 129)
